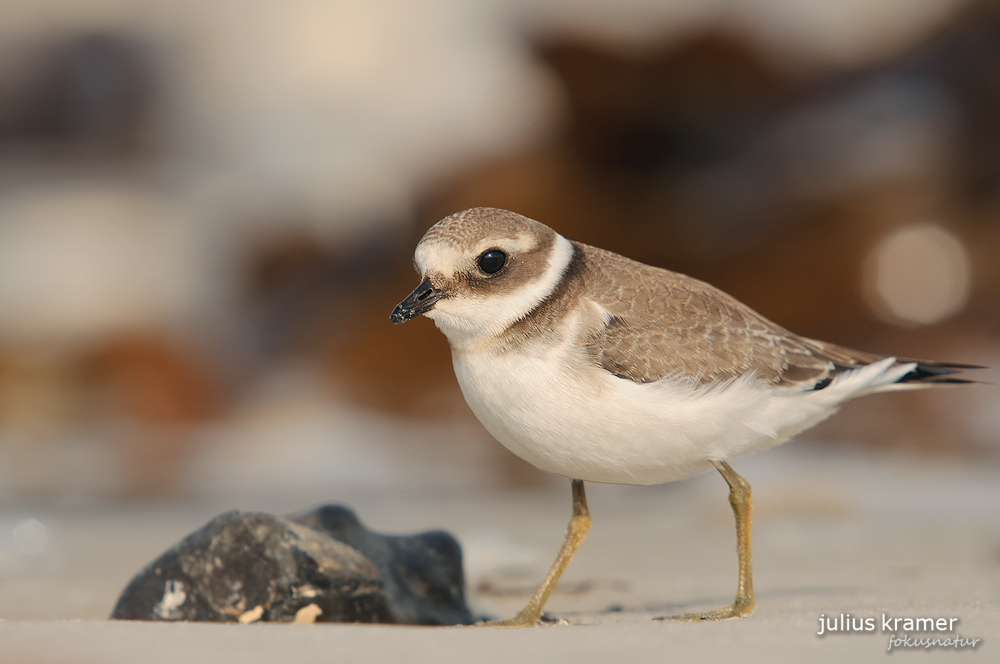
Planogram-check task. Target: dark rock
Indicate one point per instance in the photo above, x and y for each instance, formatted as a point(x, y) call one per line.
point(322, 566)
point(422, 574)
point(246, 566)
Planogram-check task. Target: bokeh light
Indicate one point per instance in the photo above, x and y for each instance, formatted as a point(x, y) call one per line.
point(31, 537)
point(918, 275)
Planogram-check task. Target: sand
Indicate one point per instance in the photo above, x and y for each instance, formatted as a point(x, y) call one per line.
point(843, 532)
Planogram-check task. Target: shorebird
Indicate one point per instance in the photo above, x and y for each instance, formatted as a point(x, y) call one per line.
point(593, 366)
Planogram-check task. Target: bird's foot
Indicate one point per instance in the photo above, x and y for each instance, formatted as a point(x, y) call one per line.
point(736, 610)
point(523, 619)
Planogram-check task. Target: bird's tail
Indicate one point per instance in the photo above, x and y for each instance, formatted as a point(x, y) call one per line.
point(884, 373)
point(928, 374)
point(895, 374)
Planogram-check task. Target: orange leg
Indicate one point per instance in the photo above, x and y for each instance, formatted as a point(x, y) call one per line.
point(739, 498)
point(575, 534)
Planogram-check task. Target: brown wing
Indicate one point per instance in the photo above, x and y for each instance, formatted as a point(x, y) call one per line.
point(668, 324)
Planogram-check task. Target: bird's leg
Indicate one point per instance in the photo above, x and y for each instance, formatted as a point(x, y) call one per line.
point(579, 524)
point(739, 498)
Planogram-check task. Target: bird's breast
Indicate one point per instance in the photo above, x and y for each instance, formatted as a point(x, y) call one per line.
point(554, 409)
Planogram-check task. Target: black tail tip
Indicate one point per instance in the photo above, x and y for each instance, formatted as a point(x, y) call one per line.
point(938, 372)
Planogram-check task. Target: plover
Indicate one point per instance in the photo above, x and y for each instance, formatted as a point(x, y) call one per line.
point(593, 366)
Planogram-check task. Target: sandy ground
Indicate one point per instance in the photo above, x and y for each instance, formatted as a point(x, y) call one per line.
point(834, 533)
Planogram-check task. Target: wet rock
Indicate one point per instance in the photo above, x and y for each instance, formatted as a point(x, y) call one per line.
point(422, 574)
point(246, 566)
point(320, 566)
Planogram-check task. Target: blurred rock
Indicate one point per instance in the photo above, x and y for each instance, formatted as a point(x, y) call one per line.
point(421, 574)
point(249, 567)
point(83, 94)
point(162, 389)
point(155, 379)
point(299, 288)
point(963, 58)
point(83, 258)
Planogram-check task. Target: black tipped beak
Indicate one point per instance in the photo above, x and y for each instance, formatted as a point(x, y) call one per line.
point(421, 300)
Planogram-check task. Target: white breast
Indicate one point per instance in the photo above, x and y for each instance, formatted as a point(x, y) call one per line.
point(552, 409)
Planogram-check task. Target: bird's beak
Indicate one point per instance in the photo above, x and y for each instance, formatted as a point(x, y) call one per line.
point(420, 301)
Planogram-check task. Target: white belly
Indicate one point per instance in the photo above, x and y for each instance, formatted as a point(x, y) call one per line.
point(553, 410)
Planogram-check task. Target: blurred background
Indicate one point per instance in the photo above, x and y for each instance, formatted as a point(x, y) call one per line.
point(208, 211)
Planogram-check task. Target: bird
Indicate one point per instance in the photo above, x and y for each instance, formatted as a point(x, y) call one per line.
point(599, 368)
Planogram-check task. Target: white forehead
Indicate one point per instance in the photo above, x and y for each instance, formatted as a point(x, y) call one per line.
point(448, 257)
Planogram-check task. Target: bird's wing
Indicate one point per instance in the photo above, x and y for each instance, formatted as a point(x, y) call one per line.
point(662, 323)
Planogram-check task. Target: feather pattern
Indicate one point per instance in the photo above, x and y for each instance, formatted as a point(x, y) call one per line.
point(664, 324)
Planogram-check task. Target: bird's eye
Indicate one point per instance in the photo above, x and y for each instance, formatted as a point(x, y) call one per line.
point(492, 261)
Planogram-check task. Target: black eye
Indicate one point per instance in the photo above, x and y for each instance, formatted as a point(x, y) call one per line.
point(492, 261)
